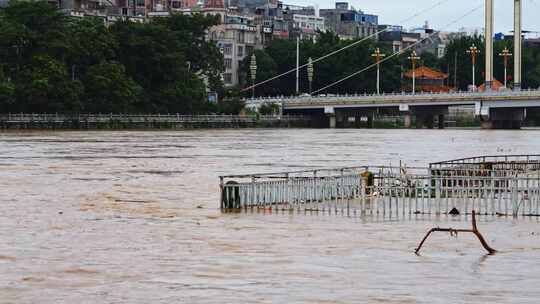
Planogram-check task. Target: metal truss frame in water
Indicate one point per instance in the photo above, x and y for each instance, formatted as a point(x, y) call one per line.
point(491, 185)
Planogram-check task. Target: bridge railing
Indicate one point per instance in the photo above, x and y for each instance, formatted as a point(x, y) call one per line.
point(402, 96)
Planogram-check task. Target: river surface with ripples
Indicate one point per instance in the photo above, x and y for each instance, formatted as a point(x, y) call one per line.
point(132, 217)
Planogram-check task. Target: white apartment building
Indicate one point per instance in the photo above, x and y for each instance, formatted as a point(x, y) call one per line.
point(236, 37)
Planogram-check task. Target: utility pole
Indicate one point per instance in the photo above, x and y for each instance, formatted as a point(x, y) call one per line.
point(378, 55)
point(253, 70)
point(505, 54)
point(297, 65)
point(517, 45)
point(474, 51)
point(413, 58)
point(310, 73)
point(489, 44)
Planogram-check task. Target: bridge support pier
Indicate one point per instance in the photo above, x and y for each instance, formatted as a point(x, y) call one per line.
point(407, 121)
point(332, 121)
point(440, 121)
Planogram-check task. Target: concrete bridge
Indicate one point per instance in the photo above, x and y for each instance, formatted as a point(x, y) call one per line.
point(496, 109)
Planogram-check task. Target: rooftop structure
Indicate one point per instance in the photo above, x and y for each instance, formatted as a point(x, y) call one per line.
point(428, 80)
point(349, 23)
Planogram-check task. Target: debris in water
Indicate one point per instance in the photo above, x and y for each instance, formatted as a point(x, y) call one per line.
point(454, 211)
point(454, 232)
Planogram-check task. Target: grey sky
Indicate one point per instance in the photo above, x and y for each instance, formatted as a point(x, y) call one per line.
point(394, 11)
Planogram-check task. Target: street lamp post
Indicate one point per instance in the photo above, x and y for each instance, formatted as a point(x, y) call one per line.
point(413, 58)
point(310, 73)
point(253, 70)
point(505, 54)
point(378, 55)
point(474, 51)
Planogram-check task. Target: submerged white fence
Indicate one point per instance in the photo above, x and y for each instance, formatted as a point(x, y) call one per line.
point(441, 189)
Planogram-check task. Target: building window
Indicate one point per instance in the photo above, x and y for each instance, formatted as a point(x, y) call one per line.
point(227, 49)
point(227, 77)
point(241, 37)
point(240, 51)
point(249, 49)
point(228, 63)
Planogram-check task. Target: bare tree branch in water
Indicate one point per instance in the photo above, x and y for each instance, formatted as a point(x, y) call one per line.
point(454, 232)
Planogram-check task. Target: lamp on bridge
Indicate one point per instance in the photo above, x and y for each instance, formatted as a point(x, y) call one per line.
point(310, 73)
point(253, 70)
point(505, 54)
point(474, 51)
point(378, 55)
point(413, 58)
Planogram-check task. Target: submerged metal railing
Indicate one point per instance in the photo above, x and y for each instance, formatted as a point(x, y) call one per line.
point(391, 191)
point(520, 163)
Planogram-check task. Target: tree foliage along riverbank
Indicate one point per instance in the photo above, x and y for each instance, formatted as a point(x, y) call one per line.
point(280, 57)
point(457, 63)
point(51, 62)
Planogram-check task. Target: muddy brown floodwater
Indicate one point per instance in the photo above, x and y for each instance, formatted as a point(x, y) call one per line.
point(132, 217)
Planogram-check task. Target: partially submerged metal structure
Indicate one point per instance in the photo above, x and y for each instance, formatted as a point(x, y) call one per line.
point(494, 185)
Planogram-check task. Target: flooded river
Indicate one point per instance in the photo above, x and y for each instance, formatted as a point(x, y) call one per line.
point(132, 217)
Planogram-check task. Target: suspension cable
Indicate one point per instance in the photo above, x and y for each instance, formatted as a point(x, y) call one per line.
point(397, 53)
point(439, 3)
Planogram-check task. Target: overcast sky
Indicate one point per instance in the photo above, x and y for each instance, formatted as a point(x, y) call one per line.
point(395, 11)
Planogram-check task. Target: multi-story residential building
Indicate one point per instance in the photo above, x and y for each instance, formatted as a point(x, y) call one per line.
point(349, 23)
point(421, 39)
point(301, 10)
point(304, 26)
point(397, 37)
point(237, 37)
point(270, 20)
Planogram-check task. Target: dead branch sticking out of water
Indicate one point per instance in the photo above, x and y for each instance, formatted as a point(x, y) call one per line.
point(454, 232)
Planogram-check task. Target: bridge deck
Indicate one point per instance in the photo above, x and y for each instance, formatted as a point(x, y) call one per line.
point(455, 98)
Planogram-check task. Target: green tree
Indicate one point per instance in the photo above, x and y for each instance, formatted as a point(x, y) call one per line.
point(280, 57)
point(7, 96)
point(34, 28)
point(153, 57)
point(266, 68)
point(531, 67)
point(269, 109)
point(430, 60)
point(231, 103)
point(60, 63)
point(90, 43)
point(202, 55)
point(46, 87)
point(109, 89)
point(459, 62)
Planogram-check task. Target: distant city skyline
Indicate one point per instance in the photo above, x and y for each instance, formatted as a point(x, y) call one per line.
point(394, 12)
